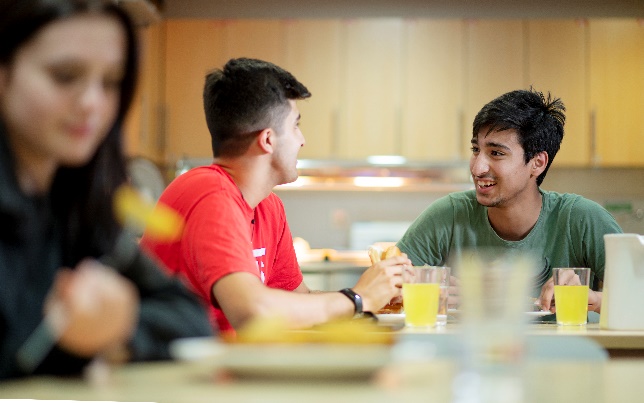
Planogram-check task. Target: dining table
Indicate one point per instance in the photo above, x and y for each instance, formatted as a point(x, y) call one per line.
point(314, 373)
point(618, 343)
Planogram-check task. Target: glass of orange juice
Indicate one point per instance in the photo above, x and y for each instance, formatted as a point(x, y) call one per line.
point(571, 295)
point(421, 292)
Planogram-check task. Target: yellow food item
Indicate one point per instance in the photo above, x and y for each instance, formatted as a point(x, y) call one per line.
point(160, 222)
point(392, 251)
point(276, 330)
point(376, 253)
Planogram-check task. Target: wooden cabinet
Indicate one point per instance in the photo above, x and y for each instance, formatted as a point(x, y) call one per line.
point(370, 122)
point(617, 91)
point(556, 63)
point(495, 65)
point(257, 39)
point(193, 48)
point(143, 127)
point(312, 55)
point(395, 86)
point(432, 91)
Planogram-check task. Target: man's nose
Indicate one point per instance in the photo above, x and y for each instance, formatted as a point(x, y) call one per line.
point(479, 165)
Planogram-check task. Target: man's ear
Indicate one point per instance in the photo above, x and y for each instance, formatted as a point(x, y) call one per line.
point(539, 163)
point(266, 140)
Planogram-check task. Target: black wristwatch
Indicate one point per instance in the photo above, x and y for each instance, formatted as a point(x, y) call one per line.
point(355, 298)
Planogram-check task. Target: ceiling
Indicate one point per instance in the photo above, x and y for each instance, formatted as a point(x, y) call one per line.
point(402, 8)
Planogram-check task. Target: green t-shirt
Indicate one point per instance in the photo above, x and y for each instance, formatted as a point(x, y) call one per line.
point(568, 233)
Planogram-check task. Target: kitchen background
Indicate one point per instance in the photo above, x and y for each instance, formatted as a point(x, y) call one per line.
point(403, 78)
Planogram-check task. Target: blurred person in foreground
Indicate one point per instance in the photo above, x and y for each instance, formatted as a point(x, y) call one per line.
point(67, 76)
point(515, 138)
point(237, 250)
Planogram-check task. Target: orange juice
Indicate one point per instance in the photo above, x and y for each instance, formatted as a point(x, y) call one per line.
point(572, 304)
point(421, 303)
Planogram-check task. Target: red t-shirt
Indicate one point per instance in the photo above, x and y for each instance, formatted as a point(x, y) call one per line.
point(224, 235)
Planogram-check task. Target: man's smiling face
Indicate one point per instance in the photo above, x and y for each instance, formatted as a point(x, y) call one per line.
point(499, 171)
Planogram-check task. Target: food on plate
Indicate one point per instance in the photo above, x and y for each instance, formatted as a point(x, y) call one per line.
point(376, 254)
point(276, 330)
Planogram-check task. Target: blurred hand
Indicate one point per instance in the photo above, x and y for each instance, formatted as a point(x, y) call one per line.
point(454, 299)
point(546, 298)
point(381, 282)
point(99, 308)
point(594, 301)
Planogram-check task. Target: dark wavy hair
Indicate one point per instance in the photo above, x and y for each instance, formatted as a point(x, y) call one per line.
point(82, 196)
point(538, 120)
point(247, 96)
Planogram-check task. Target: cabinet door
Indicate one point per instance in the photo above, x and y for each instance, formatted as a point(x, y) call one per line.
point(617, 91)
point(495, 60)
point(371, 116)
point(143, 125)
point(193, 48)
point(432, 90)
point(257, 39)
point(313, 57)
point(557, 64)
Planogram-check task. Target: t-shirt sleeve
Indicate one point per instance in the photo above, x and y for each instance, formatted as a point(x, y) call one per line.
point(287, 273)
point(216, 241)
point(428, 238)
point(590, 222)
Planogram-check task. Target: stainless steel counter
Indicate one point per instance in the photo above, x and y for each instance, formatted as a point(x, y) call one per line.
point(332, 275)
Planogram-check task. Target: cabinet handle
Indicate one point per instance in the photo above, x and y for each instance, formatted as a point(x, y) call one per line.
point(460, 135)
point(164, 123)
point(398, 140)
point(335, 137)
point(594, 158)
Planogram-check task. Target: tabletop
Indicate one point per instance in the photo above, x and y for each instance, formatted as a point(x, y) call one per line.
point(414, 376)
point(435, 381)
point(618, 343)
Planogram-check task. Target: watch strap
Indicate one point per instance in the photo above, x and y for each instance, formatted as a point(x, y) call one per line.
point(355, 298)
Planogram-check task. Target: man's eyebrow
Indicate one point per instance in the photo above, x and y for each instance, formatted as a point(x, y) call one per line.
point(492, 144)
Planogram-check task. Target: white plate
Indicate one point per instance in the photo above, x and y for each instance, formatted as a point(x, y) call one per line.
point(293, 361)
point(196, 348)
point(330, 361)
point(399, 318)
point(538, 313)
point(391, 318)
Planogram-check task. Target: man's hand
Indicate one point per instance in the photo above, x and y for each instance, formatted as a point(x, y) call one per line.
point(454, 299)
point(381, 282)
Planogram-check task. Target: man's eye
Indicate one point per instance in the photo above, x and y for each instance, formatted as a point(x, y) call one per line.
point(64, 77)
point(112, 84)
point(474, 149)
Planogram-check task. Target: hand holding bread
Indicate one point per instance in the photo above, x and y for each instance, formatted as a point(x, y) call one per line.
point(382, 282)
point(376, 254)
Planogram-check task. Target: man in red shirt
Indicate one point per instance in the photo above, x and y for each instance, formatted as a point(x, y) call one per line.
point(237, 250)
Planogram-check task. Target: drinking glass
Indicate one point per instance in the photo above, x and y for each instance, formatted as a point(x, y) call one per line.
point(571, 295)
point(421, 293)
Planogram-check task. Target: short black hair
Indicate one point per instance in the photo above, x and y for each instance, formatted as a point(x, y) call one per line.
point(244, 98)
point(538, 120)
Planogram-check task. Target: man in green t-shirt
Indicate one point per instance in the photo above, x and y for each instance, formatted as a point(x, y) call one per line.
point(515, 138)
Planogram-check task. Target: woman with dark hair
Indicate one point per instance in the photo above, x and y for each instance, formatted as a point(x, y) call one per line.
point(67, 76)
